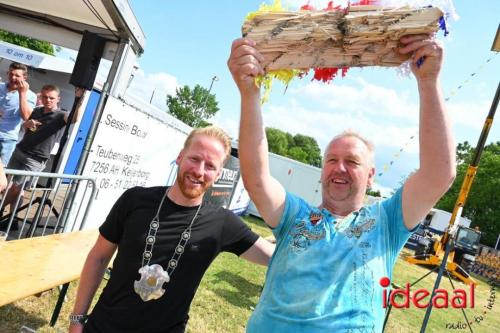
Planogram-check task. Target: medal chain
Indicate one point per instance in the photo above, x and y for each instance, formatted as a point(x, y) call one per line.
point(154, 225)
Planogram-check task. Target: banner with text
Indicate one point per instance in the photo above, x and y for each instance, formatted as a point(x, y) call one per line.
point(130, 149)
point(221, 191)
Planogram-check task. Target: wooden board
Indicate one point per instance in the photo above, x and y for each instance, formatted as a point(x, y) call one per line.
point(364, 36)
point(32, 265)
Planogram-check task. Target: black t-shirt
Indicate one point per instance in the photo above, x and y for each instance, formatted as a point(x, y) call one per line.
point(39, 144)
point(119, 308)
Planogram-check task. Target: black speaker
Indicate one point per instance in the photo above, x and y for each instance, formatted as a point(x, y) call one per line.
point(87, 61)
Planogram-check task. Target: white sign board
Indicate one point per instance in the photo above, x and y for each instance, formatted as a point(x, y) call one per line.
point(241, 199)
point(130, 149)
point(35, 59)
point(20, 54)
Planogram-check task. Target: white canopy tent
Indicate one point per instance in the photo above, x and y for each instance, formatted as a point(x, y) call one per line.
point(63, 22)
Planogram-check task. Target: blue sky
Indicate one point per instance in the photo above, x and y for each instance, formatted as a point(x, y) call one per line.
point(188, 42)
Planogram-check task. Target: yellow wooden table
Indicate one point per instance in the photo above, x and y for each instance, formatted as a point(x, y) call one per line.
point(33, 265)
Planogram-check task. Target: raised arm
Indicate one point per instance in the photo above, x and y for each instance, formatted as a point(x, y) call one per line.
point(437, 168)
point(265, 191)
point(79, 93)
point(24, 105)
point(92, 273)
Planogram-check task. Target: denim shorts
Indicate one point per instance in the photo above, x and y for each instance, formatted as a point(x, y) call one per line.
point(23, 161)
point(7, 147)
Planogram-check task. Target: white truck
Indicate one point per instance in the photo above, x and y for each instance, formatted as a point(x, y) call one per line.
point(296, 177)
point(436, 222)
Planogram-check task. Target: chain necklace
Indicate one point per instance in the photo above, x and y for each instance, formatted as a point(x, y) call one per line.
point(149, 287)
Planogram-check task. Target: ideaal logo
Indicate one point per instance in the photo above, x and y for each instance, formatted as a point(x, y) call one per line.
point(442, 299)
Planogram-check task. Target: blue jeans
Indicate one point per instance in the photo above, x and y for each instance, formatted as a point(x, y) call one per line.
point(7, 147)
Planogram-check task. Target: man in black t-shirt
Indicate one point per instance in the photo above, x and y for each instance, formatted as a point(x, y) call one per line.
point(42, 130)
point(166, 238)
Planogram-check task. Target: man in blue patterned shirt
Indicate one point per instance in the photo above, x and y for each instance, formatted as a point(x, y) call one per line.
point(325, 272)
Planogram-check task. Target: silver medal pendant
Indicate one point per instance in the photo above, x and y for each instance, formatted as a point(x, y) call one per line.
point(149, 287)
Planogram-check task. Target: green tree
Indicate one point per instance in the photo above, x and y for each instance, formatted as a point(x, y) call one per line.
point(308, 144)
point(482, 205)
point(28, 42)
point(194, 107)
point(373, 193)
point(289, 139)
point(298, 154)
point(464, 151)
point(277, 140)
point(300, 147)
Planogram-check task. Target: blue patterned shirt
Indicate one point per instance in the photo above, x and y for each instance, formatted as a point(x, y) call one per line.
point(325, 272)
point(10, 114)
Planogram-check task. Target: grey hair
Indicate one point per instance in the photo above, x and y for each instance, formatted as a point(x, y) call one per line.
point(351, 133)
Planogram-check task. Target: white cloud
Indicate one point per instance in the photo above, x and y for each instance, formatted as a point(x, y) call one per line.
point(384, 190)
point(468, 119)
point(324, 125)
point(363, 99)
point(230, 125)
point(155, 85)
point(380, 114)
point(386, 118)
point(469, 114)
point(389, 138)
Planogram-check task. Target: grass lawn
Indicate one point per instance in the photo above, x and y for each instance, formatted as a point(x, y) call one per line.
point(230, 291)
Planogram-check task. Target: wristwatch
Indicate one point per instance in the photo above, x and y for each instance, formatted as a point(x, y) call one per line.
point(78, 319)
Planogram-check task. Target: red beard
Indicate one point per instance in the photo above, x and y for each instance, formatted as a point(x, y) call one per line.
point(189, 191)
